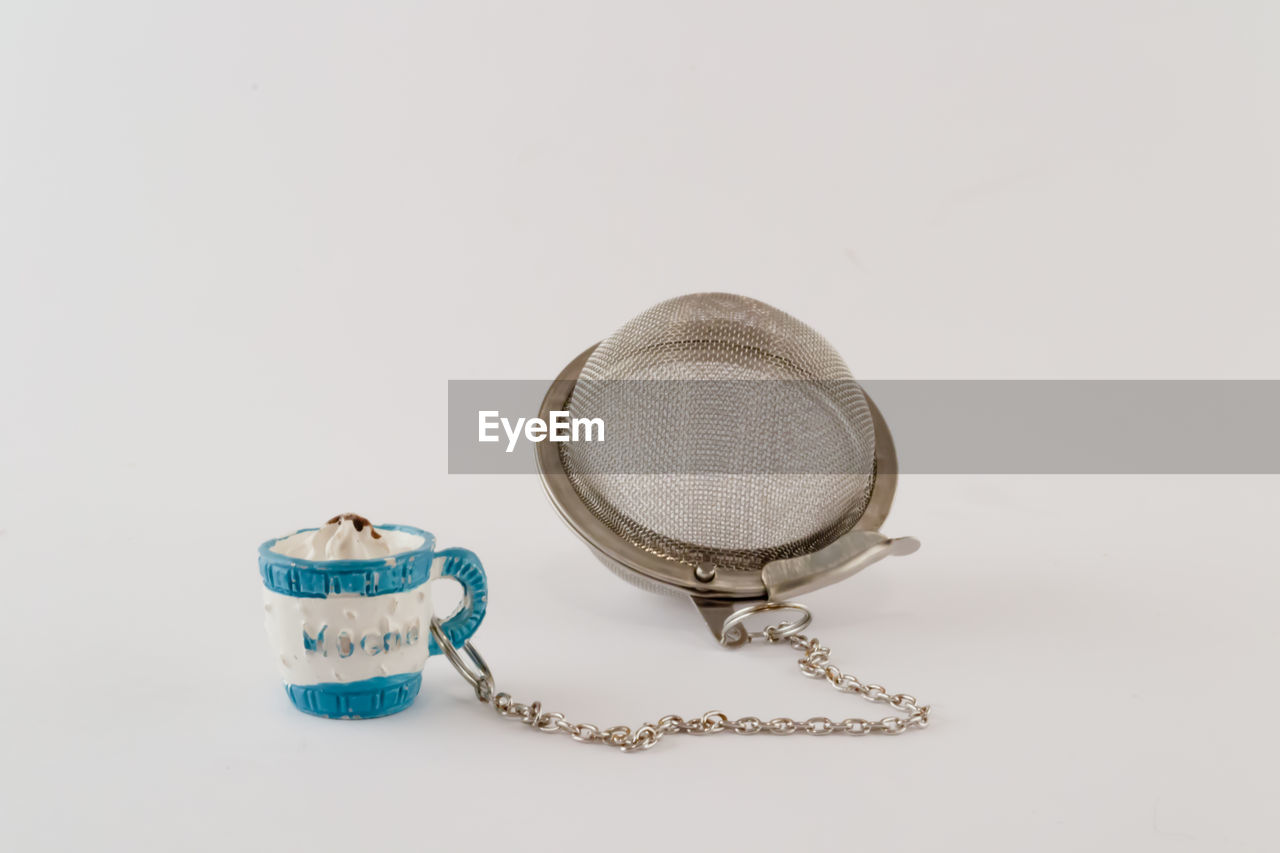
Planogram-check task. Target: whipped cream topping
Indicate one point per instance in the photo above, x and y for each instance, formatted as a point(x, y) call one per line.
point(347, 537)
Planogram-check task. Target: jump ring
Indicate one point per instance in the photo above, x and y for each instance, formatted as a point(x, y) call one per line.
point(478, 676)
point(773, 633)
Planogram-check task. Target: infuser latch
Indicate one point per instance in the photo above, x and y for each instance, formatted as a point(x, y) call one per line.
point(843, 558)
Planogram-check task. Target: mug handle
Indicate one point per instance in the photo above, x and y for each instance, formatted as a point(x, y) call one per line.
point(464, 567)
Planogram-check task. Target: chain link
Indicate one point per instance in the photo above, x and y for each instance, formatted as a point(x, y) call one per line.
point(815, 664)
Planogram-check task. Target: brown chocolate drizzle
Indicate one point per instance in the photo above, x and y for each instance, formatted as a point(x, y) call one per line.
point(358, 521)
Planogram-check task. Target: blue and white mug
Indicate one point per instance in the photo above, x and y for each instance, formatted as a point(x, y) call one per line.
point(352, 636)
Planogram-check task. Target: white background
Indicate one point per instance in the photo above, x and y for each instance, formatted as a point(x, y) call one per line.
point(243, 247)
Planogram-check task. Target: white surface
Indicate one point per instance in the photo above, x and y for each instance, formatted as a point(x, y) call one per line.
point(231, 238)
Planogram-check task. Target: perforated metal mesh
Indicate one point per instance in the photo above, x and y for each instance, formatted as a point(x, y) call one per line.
point(746, 441)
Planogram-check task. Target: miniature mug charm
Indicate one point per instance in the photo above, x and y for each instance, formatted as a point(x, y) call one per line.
point(348, 612)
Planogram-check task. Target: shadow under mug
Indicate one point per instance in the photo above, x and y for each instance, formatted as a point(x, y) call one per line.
point(351, 636)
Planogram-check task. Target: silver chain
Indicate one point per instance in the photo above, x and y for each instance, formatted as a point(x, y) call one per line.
point(815, 664)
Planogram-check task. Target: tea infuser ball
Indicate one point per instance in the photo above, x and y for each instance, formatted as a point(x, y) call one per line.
point(741, 463)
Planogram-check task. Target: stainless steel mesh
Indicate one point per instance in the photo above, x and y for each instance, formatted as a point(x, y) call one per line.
point(747, 439)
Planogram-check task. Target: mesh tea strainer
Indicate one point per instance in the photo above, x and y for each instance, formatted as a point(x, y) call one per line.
point(741, 463)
